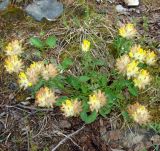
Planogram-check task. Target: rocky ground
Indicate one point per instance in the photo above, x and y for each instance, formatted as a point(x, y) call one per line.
point(26, 128)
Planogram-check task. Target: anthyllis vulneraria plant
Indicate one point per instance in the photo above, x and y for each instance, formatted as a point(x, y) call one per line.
point(127, 31)
point(97, 100)
point(45, 97)
point(71, 108)
point(130, 63)
point(142, 79)
point(13, 48)
point(23, 80)
point(13, 64)
point(86, 45)
point(34, 70)
point(92, 92)
point(139, 113)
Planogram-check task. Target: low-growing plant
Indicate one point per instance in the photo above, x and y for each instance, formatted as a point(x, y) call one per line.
point(38, 43)
point(91, 93)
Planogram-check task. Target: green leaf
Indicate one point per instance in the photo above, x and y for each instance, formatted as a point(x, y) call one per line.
point(99, 62)
point(84, 78)
point(36, 42)
point(66, 63)
point(105, 110)
point(61, 100)
point(51, 41)
point(73, 81)
point(88, 118)
point(133, 90)
point(126, 116)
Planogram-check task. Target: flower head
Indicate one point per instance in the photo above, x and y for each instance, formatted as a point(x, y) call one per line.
point(34, 71)
point(23, 80)
point(142, 79)
point(13, 64)
point(13, 48)
point(86, 45)
point(49, 71)
point(151, 58)
point(45, 97)
point(97, 100)
point(71, 108)
point(121, 64)
point(138, 53)
point(132, 69)
point(127, 31)
point(139, 113)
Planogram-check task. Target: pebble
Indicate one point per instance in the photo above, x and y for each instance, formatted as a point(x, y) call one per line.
point(121, 9)
point(64, 124)
point(132, 2)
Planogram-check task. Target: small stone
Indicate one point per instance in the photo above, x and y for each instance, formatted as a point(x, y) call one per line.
point(132, 2)
point(25, 103)
point(13, 86)
point(121, 9)
point(65, 124)
point(4, 4)
point(156, 139)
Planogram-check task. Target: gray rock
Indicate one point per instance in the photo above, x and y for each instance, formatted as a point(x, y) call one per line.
point(49, 9)
point(4, 4)
point(121, 9)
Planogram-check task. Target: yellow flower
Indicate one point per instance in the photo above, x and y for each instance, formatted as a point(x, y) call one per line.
point(97, 100)
point(33, 72)
point(151, 58)
point(138, 53)
point(132, 69)
point(13, 48)
point(142, 79)
point(121, 64)
point(71, 108)
point(13, 64)
point(139, 113)
point(23, 80)
point(86, 45)
point(45, 97)
point(49, 71)
point(127, 31)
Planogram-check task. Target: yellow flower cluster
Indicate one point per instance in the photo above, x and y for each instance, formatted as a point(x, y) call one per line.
point(139, 113)
point(122, 63)
point(97, 100)
point(143, 78)
point(85, 45)
point(151, 58)
point(13, 64)
point(71, 108)
point(128, 31)
point(33, 72)
point(132, 69)
point(36, 70)
point(45, 97)
point(128, 65)
point(23, 80)
point(13, 48)
point(141, 55)
point(49, 71)
point(138, 53)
